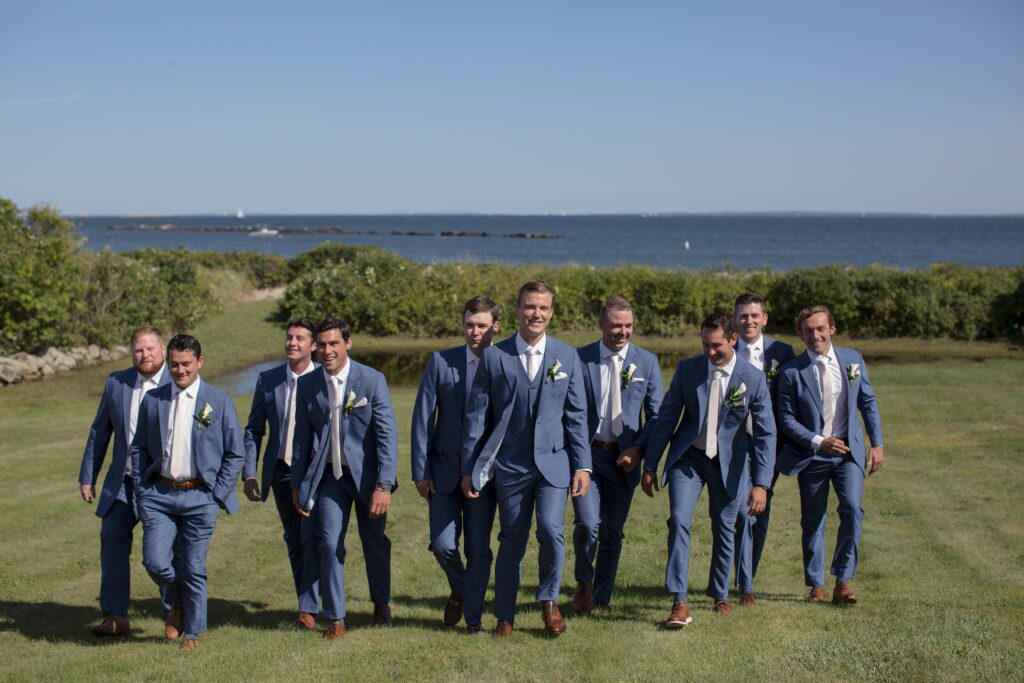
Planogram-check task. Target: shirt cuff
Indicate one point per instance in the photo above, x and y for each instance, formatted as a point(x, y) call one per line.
point(816, 441)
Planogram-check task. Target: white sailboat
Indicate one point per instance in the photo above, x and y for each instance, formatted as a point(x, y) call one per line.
point(240, 214)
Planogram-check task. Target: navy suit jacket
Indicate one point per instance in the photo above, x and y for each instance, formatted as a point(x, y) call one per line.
point(560, 441)
point(687, 396)
point(113, 418)
point(437, 420)
point(370, 435)
point(269, 402)
point(801, 415)
point(641, 398)
point(218, 450)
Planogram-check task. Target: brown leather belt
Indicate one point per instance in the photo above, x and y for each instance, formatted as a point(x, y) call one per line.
point(181, 485)
point(606, 445)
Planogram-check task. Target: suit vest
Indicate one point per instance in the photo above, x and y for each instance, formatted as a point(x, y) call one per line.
point(516, 454)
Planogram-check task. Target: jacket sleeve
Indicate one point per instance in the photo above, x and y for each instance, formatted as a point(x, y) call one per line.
point(867, 403)
point(574, 419)
point(424, 415)
point(386, 430)
point(652, 402)
point(789, 410)
point(255, 428)
point(302, 439)
point(99, 438)
point(139, 447)
point(234, 451)
point(663, 425)
point(762, 463)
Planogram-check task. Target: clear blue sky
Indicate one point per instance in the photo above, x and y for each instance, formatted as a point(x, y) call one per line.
point(519, 107)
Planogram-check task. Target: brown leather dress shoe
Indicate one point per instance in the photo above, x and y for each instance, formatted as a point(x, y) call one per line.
point(188, 645)
point(843, 596)
point(723, 607)
point(817, 594)
point(112, 625)
point(335, 630)
point(503, 629)
point(174, 626)
point(747, 600)
point(453, 610)
point(476, 630)
point(305, 622)
point(382, 615)
point(583, 598)
point(554, 624)
point(679, 617)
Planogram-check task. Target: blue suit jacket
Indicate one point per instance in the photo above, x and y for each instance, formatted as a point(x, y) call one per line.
point(218, 449)
point(113, 418)
point(801, 416)
point(688, 396)
point(560, 443)
point(641, 398)
point(437, 420)
point(370, 436)
point(269, 402)
point(780, 352)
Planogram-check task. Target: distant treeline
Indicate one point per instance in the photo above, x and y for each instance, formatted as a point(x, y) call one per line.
point(53, 293)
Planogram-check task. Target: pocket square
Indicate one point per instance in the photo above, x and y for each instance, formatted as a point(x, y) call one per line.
point(638, 379)
point(560, 375)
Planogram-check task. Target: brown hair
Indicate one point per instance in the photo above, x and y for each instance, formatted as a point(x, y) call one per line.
point(614, 303)
point(147, 329)
point(482, 304)
point(330, 323)
point(535, 286)
point(719, 321)
point(748, 299)
point(806, 313)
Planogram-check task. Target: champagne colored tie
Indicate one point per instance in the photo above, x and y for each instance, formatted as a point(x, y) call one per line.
point(532, 361)
point(825, 376)
point(179, 450)
point(714, 403)
point(289, 430)
point(336, 428)
point(615, 394)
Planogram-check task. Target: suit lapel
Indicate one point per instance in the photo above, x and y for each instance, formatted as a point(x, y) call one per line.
point(200, 403)
point(735, 380)
point(458, 370)
point(127, 391)
point(807, 374)
point(845, 361)
point(509, 360)
point(162, 411)
point(594, 370)
point(701, 377)
point(281, 395)
point(323, 396)
point(352, 387)
point(627, 393)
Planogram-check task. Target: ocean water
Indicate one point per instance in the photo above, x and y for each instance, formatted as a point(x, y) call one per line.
point(776, 241)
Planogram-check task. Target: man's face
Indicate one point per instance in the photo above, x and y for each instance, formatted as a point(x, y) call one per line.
point(534, 310)
point(717, 346)
point(616, 329)
point(817, 333)
point(333, 350)
point(184, 367)
point(298, 344)
point(147, 354)
point(479, 329)
point(750, 319)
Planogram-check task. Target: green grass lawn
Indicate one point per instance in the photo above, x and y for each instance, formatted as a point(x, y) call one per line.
point(941, 576)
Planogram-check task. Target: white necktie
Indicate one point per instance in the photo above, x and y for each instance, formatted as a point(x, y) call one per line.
point(749, 350)
point(532, 363)
point(714, 403)
point(826, 394)
point(336, 428)
point(289, 430)
point(179, 451)
point(615, 394)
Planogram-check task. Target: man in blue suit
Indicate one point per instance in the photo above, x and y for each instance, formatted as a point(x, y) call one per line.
point(526, 428)
point(817, 398)
point(345, 454)
point(436, 464)
point(624, 389)
point(716, 394)
point(117, 416)
point(273, 403)
point(186, 457)
point(767, 355)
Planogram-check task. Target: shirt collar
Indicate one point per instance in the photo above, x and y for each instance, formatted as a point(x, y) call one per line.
point(728, 368)
point(606, 353)
point(470, 357)
point(191, 392)
point(292, 375)
point(141, 381)
point(342, 374)
point(758, 344)
point(829, 356)
point(522, 346)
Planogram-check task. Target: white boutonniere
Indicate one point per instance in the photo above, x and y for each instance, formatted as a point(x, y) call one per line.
point(853, 371)
point(772, 371)
point(553, 372)
point(204, 418)
point(735, 396)
point(351, 404)
point(627, 375)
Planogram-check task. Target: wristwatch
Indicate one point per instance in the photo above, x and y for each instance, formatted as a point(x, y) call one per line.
point(384, 486)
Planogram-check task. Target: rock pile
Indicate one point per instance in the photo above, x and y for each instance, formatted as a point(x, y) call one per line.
point(24, 367)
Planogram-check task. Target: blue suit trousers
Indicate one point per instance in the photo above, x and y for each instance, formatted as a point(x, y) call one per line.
point(300, 539)
point(116, 537)
point(847, 478)
point(751, 533)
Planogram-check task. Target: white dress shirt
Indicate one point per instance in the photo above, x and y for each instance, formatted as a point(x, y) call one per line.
point(755, 355)
point(524, 350)
point(288, 428)
point(336, 387)
point(187, 397)
point(604, 425)
point(142, 387)
point(723, 385)
point(472, 363)
point(840, 418)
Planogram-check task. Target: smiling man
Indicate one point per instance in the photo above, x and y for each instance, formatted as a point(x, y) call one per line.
point(526, 429)
point(273, 404)
point(186, 456)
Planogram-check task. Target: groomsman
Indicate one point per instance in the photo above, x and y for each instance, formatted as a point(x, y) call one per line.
point(117, 416)
point(436, 444)
point(623, 387)
point(273, 403)
point(186, 457)
point(716, 394)
point(526, 428)
point(767, 355)
point(345, 453)
point(818, 397)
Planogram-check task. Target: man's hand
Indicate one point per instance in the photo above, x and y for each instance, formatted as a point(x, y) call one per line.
point(649, 483)
point(580, 483)
point(88, 492)
point(467, 488)
point(757, 500)
point(875, 459)
point(251, 489)
point(379, 503)
point(295, 502)
point(425, 487)
point(629, 458)
point(833, 446)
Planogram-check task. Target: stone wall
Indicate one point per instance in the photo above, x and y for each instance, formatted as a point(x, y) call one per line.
point(24, 367)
